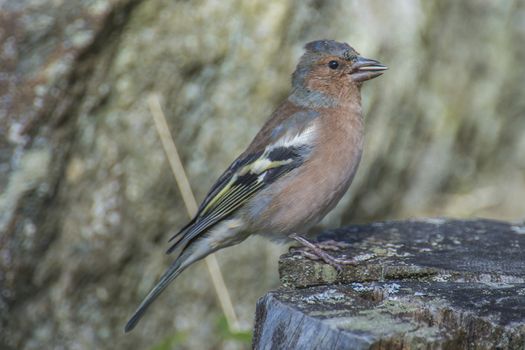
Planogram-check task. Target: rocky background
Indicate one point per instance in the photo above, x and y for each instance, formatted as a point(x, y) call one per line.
point(87, 199)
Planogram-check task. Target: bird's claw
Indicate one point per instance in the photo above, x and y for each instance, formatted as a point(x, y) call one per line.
point(316, 251)
point(333, 245)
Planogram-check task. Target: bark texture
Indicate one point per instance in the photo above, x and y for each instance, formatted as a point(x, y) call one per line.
point(434, 284)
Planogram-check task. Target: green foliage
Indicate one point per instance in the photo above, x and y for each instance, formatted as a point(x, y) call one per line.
point(224, 332)
point(171, 341)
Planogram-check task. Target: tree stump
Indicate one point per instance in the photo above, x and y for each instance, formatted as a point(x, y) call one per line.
point(431, 284)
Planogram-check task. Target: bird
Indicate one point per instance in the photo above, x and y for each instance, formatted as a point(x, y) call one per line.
point(294, 171)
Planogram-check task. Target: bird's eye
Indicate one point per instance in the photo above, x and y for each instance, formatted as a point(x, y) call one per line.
point(333, 64)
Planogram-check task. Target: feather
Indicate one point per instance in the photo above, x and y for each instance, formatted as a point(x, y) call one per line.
point(248, 175)
point(173, 271)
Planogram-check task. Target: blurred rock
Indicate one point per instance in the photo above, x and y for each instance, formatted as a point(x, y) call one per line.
point(87, 198)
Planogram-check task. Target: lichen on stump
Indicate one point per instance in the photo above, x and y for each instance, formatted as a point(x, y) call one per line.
point(427, 284)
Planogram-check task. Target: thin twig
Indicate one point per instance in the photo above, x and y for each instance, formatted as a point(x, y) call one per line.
point(191, 207)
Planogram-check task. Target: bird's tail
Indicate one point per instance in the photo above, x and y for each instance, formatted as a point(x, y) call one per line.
point(188, 257)
point(173, 271)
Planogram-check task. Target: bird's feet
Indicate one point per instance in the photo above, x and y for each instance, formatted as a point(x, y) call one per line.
point(317, 251)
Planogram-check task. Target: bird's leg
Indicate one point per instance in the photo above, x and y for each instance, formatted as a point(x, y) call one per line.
point(333, 245)
point(316, 251)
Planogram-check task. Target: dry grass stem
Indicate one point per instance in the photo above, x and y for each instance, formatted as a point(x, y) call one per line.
point(191, 206)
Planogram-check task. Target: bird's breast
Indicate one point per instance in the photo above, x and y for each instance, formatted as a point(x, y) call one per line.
point(304, 196)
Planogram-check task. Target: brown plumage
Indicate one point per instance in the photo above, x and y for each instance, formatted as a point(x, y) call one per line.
point(295, 170)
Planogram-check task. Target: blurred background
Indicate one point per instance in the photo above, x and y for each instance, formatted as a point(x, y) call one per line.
point(88, 200)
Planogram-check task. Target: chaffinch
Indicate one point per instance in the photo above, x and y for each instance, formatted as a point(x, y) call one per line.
point(294, 171)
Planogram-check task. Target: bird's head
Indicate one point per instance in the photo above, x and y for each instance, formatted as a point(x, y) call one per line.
point(333, 68)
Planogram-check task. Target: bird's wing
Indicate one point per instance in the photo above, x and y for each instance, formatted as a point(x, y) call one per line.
point(249, 174)
point(284, 143)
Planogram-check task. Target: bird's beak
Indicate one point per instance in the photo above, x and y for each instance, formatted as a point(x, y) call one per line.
point(365, 69)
